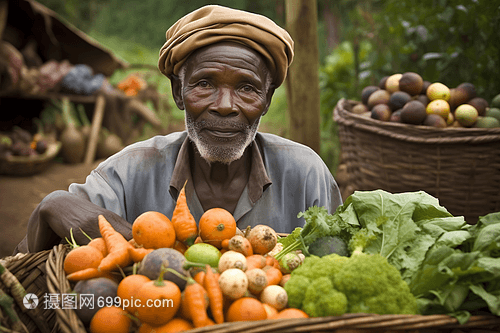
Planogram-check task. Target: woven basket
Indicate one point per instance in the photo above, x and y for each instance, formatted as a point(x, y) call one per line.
point(29, 165)
point(42, 274)
point(459, 166)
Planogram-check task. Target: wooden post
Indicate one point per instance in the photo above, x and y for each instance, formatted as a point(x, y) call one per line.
point(303, 77)
point(95, 128)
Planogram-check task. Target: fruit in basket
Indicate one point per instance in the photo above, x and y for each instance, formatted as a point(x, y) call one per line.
point(434, 120)
point(493, 112)
point(233, 283)
point(275, 296)
point(383, 80)
point(480, 104)
point(411, 83)
point(100, 288)
point(437, 90)
point(487, 122)
point(203, 253)
point(111, 319)
point(153, 230)
point(450, 120)
point(392, 83)
point(232, 259)
point(366, 92)
point(378, 97)
point(245, 309)
point(469, 89)
point(215, 225)
point(424, 87)
point(327, 245)
point(398, 100)
point(495, 102)
point(359, 108)
point(458, 96)
point(466, 115)
point(422, 98)
point(152, 263)
point(127, 289)
point(439, 107)
point(381, 112)
point(413, 113)
point(396, 116)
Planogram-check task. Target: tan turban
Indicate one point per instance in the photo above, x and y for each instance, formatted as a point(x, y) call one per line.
point(212, 24)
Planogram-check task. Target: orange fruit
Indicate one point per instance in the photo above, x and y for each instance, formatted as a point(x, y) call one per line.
point(270, 310)
point(111, 319)
point(215, 225)
point(173, 326)
point(159, 302)
point(153, 230)
point(245, 309)
point(290, 313)
point(127, 289)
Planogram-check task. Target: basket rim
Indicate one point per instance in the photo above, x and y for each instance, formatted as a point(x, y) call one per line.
point(412, 133)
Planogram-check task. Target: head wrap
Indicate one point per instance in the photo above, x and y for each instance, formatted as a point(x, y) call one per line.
point(212, 24)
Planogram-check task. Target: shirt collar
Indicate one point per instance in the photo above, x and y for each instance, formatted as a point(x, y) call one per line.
point(258, 180)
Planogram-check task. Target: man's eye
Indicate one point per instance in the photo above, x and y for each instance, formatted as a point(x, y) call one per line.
point(247, 88)
point(203, 84)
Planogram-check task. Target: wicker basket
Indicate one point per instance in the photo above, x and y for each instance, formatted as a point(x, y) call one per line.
point(29, 165)
point(459, 166)
point(43, 273)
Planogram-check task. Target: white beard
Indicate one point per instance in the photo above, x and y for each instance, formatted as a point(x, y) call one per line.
point(212, 153)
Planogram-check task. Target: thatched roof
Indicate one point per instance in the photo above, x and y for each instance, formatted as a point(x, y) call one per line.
point(27, 23)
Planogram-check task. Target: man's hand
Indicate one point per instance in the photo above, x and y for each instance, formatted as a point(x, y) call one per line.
point(60, 212)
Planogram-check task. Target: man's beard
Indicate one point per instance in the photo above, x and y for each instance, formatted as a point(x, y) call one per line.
point(226, 153)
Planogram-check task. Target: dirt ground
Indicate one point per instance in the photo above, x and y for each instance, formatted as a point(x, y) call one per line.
point(20, 195)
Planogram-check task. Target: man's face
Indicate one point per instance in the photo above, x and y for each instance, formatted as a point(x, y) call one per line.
point(224, 94)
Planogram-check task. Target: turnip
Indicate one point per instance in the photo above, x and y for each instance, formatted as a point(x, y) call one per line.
point(289, 262)
point(263, 239)
point(284, 279)
point(257, 280)
point(232, 259)
point(277, 248)
point(233, 283)
point(275, 296)
point(240, 244)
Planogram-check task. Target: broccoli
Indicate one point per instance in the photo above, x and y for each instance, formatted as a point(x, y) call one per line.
point(362, 283)
point(321, 299)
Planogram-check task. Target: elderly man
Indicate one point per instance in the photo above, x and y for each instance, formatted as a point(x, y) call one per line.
point(224, 66)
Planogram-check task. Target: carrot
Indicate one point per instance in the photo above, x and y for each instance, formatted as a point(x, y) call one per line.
point(85, 274)
point(99, 244)
point(180, 246)
point(138, 253)
point(255, 261)
point(117, 245)
point(273, 274)
point(194, 298)
point(186, 229)
point(211, 285)
point(198, 240)
point(200, 277)
point(240, 244)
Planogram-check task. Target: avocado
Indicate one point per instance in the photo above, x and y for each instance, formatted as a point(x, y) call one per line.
point(435, 120)
point(378, 97)
point(398, 99)
point(480, 104)
point(327, 245)
point(495, 102)
point(366, 92)
point(413, 113)
point(381, 112)
point(469, 88)
point(493, 112)
point(487, 122)
point(411, 83)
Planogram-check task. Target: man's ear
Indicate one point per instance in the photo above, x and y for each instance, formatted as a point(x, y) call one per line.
point(269, 97)
point(177, 91)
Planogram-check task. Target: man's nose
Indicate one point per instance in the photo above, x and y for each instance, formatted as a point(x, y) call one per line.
point(224, 103)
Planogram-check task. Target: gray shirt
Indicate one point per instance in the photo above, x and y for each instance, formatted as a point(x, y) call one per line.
point(139, 179)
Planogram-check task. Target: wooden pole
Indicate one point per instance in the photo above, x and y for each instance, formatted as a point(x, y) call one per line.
point(95, 129)
point(303, 77)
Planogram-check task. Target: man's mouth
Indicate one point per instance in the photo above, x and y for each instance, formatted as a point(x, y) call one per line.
point(223, 133)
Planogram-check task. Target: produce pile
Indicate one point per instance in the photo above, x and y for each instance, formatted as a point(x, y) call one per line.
point(407, 98)
point(378, 253)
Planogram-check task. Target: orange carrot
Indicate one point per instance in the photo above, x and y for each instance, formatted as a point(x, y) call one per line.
point(138, 253)
point(99, 244)
point(117, 245)
point(211, 285)
point(200, 277)
point(272, 261)
point(89, 273)
point(198, 240)
point(186, 229)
